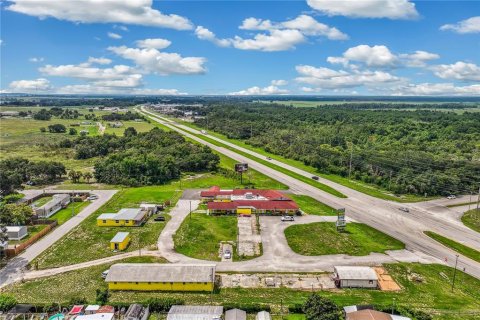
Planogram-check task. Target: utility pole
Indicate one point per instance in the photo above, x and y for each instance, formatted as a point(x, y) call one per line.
point(470, 202)
point(393, 305)
point(478, 199)
point(190, 210)
point(455, 272)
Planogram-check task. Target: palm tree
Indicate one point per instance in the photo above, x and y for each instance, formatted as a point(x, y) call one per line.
point(87, 176)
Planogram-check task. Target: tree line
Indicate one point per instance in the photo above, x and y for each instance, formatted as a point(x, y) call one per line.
point(405, 151)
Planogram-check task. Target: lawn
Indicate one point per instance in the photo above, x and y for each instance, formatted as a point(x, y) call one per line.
point(460, 248)
point(88, 242)
point(432, 295)
point(312, 206)
point(199, 236)
point(369, 189)
point(321, 238)
point(63, 215)
point(472, 219)
point(43, 200)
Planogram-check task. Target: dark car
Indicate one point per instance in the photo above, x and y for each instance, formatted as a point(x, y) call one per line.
point(315, 178)
point(159, 218)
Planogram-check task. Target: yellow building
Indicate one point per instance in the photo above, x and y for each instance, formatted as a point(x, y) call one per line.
point(120, 241)
point(130, 217)
point(161, 277)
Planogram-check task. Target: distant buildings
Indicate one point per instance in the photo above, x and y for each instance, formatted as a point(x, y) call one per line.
point(355, 277)
point(161, 277)
point(195, 313)
point(248, 201)
point(128, 217)
point(58, 202)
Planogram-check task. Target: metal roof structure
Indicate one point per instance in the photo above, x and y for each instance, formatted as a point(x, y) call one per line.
point(195, 312)
point(235, 314)
point(96, 316)
point(158, 272)
point(15, 228)
point(263, 315)
point(136, 214)
point(355, 273)
point(120, 237)
point(56, 199)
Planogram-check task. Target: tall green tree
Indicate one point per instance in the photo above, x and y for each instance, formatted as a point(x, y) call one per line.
point(320, 308)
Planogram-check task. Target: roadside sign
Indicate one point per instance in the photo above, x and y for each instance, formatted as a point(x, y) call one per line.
point(241, 167)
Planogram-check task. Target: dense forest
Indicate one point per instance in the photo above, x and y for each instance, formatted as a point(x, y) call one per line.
point(153, 157)
point(400, 149)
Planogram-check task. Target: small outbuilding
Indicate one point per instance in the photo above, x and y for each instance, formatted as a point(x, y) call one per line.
point(195, 313)
point(355, 277)
point(149, 207)
point(17, 232)
point(235, 314)
point(137, 312)
point(120, 241)
point(92, 308)
point(96, 316)
point(263, 315)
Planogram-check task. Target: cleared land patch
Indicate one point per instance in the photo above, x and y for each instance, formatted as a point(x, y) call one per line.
point(322, 238)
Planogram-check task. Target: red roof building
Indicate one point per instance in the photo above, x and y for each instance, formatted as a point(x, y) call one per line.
point(247, 201)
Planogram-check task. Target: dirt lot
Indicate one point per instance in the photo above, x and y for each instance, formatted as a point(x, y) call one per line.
point(265, 280)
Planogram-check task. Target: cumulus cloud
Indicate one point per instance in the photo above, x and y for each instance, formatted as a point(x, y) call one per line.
point(36, 59)
point(437, 89)
point(459, 71)
point(30, 86)
point(93, 60)
point(85, 72)
point(137, 12)
point(279, 82)
point(392, 9)
point(159, 92)
point(156, 43)
point(114, 35)
point(153, 61)
point(471, 25)
point(256, 91)
point(326, 78)
point(380, 56)
point(274, 36)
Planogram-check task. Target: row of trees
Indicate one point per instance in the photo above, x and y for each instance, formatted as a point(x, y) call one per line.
point(16, 171)
point(127, 116)
point(62, 113)
point(419, 151)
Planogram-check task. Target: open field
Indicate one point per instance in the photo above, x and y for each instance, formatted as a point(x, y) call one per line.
point(432, 295)
point(199, 236)
point(63, 215)
point(460, 248)
point(472, 219)
point(142, 126)
point(369, 189)
point(321, 238)
point(312, 206)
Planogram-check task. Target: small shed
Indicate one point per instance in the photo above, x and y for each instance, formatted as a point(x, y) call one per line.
point(263, 315)
point(16, 232)
point(235, 314)
point(355, 277)
point(120, 241)
point(96, 316)
point(137, 312)
point(149, 207)
point(195, 313)
point(92, 308)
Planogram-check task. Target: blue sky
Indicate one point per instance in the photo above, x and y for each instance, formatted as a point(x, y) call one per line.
point(366, 47)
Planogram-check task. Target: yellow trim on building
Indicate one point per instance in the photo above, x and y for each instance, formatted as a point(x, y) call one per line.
point(115, 223)
point(161, 286)
point(120, 245)
point(244, 210)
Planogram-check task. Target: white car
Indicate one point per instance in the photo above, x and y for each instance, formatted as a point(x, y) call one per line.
point(105, 274)
point(93, 197)
point(288, 218)
point(227, 254)
point(451, 197)
point(404, 209)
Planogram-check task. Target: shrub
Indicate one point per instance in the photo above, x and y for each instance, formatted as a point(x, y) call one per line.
point(162, 304)
point(7, 302)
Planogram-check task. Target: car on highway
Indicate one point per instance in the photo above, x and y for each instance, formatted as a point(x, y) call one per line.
point(404, 209)
point(105, 274)
point(315, 178)
point(92, 197)
point(268, 158)
point(451, 197)
point(288, 218)
point(159, 218)
point(227, 254)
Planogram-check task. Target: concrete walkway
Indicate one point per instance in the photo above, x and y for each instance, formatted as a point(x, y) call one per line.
point(14, 269)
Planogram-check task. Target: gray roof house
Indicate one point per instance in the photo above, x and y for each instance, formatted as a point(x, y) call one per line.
point(355, 277)
point(58, 202)
point(235, 314)
point(195, 313)
point(16, 232)
point(263, 315)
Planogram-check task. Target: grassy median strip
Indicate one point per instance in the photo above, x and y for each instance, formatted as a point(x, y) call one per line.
point(472, 219)
point(321, 238)
point(460, 248)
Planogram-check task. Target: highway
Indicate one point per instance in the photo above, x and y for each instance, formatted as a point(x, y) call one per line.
point(380, 214)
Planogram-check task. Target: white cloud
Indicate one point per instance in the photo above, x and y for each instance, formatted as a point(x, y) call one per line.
point(279, 82)
point(30, 86)
point(92, 60)
point(270, 90)
point(325, 78)
point(85, 72)
point(275, 36)
point(380, 56)
point(392, 9)
point(123, 28)
point(459, 71)
point(137, 12)
point(36, 59)
point(156, 43)
point(153, 61)
point(114, 35)
point(471, 25)
point(160, 92)
point(437, 89)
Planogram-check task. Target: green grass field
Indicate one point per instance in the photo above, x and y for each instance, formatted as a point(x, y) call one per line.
point(63, 215)
point(369, 189)
point(460, 248)
point(142, 126)
point(432, 295)
point(321, 238)
point(311, 206)
point(199, 236)
point(472, 219)
point(43, 200)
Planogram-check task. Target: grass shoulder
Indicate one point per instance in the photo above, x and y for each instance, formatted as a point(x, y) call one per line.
point(472, 219)
point(310, 205)
point(322, 238)
point(458, 247)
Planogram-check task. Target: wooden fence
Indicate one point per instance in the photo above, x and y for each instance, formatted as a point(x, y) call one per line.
point(12, 252)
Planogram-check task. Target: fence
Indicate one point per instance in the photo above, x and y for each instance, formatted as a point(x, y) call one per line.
point(12, 252)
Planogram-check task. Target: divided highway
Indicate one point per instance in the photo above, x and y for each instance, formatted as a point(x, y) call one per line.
point(380, 214)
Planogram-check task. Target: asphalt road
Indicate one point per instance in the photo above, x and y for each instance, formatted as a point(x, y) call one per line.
point(15, 268)
point(380, 214)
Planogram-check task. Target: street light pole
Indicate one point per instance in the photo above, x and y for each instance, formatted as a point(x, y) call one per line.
point(455, 271)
